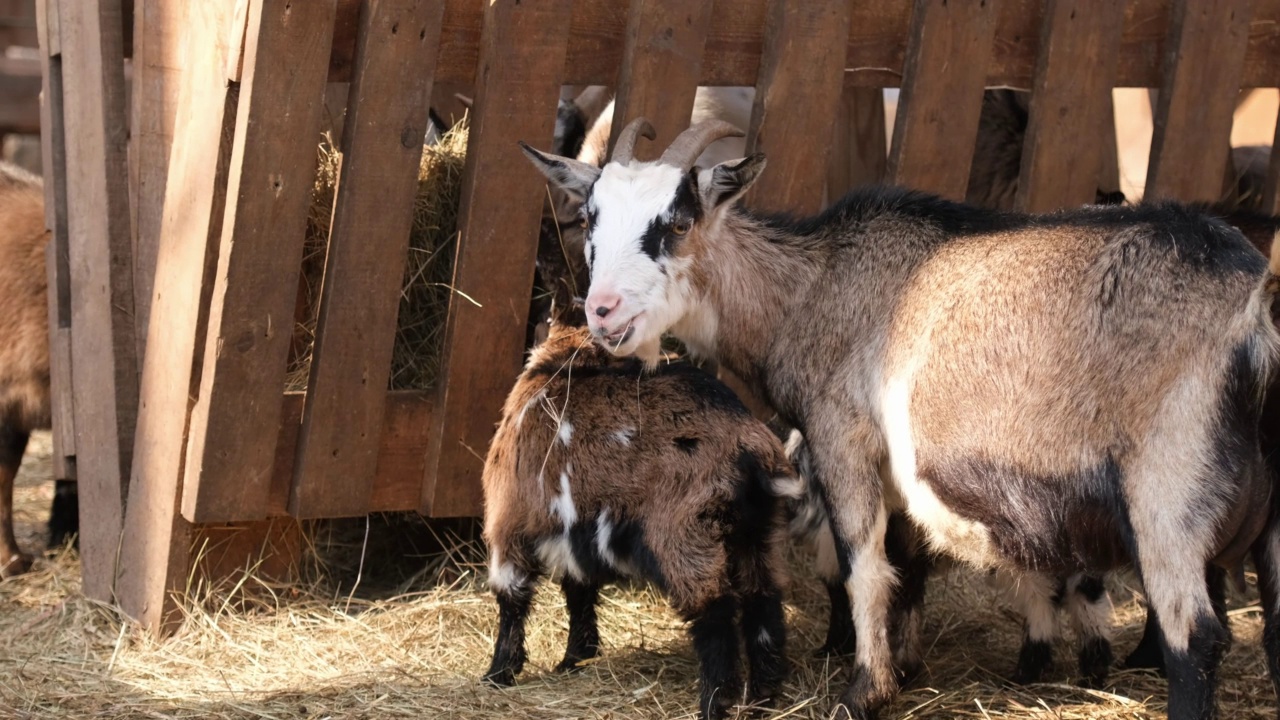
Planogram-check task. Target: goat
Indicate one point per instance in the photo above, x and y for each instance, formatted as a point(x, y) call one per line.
point(1083, 596)
point(24, 356)
point(583, 127)
point(600, 471)
point(1044, 395)
point(993, 183)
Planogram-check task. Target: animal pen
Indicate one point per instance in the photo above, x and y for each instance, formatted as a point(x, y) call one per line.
point(179, 216)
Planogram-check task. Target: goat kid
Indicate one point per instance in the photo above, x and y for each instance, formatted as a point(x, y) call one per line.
point(601, 471)
point(1055, 394)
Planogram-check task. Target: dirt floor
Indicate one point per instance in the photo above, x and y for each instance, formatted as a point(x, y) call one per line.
point(414, 648)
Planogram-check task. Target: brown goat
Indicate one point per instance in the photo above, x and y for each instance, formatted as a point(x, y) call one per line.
point(24, 352)
point(601, 470)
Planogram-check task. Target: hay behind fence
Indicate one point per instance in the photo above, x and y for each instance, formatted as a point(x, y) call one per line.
point(425, 289)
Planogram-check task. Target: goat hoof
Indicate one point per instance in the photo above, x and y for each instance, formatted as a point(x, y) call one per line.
point(715, 708)
point(16, 564)
point(845, 711)
point(569, 665)
point(1095, 663)
point(910, 673)
point(1145, 658)
point(835, 648)
point(1034, 659)
point(500, 678)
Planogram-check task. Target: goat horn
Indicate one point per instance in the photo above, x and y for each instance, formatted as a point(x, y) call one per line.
point(689, 145)
point(624, 150)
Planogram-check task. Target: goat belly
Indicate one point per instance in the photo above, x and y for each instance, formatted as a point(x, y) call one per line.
point(1060, 523)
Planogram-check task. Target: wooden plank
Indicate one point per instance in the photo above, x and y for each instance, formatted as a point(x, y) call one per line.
point(1070, 104)
point(57, 258)
point(802, 67)
point(104, 361)
point(157, 62)
point(17, 24)
point(368, 243)
point(232, 437)
point(941, 100)
point(402, 454)
point(1204, 57)
point(661, 63)
point(19, 95)
point(521, 58)
point(154, 547)
point(876, 50)
point(858, 150)
point(268, 549)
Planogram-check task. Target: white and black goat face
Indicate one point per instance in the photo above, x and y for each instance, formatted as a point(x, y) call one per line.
point(642, 223)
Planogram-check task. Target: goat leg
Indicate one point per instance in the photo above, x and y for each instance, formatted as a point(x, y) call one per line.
point(508, 649)
point(715, 640)
point(584, 635)
point(13, 443)
point(1090, 609)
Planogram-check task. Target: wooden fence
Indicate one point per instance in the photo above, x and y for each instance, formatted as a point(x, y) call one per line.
point(178, 219)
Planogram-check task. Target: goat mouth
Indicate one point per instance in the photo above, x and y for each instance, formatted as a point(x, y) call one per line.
point(618, 338)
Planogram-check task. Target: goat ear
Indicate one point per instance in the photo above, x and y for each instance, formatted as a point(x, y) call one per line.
point(574, 177)
point(727, 181)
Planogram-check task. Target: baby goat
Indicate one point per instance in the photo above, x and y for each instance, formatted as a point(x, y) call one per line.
point(1044, 395)
point(602, 470)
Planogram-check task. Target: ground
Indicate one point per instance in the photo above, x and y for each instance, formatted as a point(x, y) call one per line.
point(318, 649)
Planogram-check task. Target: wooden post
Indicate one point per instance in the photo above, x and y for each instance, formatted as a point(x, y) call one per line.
point(154, 549)
point(57, 257)
point(801, 66)
point(1070, 100)
point(157, 72)
point(368, 243)
point(1204, 58)
point(522, 55)
point(104, 353)
point(661, 64)
point(858, 150)
point(236, 418)
point(941, 99)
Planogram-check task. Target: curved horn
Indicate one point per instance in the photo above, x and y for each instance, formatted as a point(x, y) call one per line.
point(689, 145)
point(624, 150)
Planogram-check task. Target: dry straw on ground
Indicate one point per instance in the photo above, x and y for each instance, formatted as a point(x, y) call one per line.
point(318, 650)
point(425, 291)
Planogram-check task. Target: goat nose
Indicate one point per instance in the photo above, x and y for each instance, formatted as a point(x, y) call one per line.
point(604, 303)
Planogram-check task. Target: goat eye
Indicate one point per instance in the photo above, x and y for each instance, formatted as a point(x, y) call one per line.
point(582, 222)
point(680, 228)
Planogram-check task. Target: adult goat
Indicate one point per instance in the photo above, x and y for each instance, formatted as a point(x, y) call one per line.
point(1039, 394)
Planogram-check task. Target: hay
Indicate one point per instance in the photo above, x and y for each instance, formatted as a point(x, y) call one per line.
point(425, 290)
point(415, 650)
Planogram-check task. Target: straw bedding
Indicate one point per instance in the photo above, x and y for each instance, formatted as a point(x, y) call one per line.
point(412, 645)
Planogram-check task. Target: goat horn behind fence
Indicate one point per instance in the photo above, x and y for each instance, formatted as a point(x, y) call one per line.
point(624, 150)
point(689, 145)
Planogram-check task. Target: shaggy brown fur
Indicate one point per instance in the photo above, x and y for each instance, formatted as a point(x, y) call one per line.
point(601, 470)
point(24, 340)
